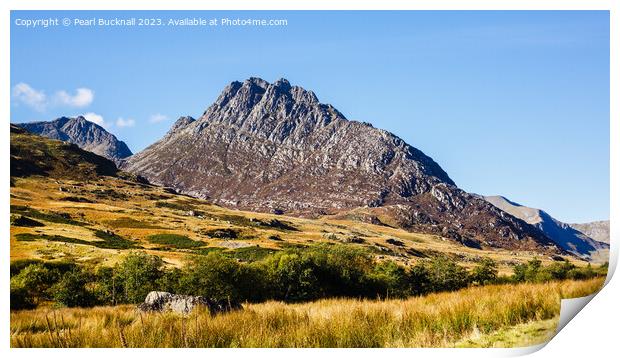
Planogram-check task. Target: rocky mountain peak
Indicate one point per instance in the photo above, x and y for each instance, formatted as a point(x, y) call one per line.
point(87, 135)
point(274, 147)
point(181, 123)
point(256, 105)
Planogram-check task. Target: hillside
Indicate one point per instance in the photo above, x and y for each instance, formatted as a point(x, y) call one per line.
point(274, 148)
point(35, 155)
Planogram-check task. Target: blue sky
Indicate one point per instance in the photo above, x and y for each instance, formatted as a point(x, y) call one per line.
point(510, 103)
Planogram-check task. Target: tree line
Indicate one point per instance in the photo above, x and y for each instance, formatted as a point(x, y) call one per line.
point(291, 275)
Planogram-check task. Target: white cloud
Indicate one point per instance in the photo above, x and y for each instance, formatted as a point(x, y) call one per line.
point(97, 119)
point(22, 92)
point(37, 100)
point(82, 98)
point(158, 117)
point(121, 122)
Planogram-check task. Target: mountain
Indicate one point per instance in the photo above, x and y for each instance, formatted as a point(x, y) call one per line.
point(69, 204)
point(565, 235)
point(87, 135)
point(35, 155)
point(597, 230)
point(273, 147)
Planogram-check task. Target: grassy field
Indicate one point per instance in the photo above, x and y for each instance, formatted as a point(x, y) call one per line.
point(96, 222)
point(489, 316)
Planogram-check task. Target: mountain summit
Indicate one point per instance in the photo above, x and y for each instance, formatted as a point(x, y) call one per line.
point(85, 134)
point(274, 147)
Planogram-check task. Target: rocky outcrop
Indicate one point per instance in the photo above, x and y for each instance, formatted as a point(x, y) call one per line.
point(85, 134)
point(274, 147)
point(159, 301)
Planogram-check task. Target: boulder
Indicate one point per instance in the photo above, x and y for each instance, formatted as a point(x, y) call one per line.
point(159, 301)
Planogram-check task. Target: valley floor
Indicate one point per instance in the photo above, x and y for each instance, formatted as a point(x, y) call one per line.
point(489, 316)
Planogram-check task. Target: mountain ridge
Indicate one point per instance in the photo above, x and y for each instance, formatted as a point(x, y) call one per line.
point(87, 135)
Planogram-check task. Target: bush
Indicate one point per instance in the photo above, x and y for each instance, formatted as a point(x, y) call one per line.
point(294, 277)
point(106, 286)
point(445, 275)
point(419, 280)
point(390, 280)
point(71, 290)
point(170, 281)
point(533, 271)
point(214, 276)
point(485, 272)
point(174, 240)
point(582, 273)
point(137, 275)
point(33, 283)
point(527, 272)
point(20, 299)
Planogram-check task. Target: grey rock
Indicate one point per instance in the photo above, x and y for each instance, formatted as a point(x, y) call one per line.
point(159, 301)
point(85, 134)
point(597, 230)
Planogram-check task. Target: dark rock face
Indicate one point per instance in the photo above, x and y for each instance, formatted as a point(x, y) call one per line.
point(87, 135)
point(276, 148)
point(157, 301)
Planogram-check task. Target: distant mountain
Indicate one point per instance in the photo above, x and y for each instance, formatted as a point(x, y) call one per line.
point(87, 135)
point(35, 155)
point(598, 230)
point(565, 235)
point(274, 147)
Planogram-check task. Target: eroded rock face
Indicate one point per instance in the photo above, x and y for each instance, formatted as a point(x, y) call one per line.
point(85, 134)
point(159, 301)
point(567, 236)
point(274, 147)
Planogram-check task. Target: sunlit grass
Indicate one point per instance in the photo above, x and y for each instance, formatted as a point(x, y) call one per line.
point(436, 320)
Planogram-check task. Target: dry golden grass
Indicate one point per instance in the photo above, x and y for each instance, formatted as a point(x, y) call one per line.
point(139, 204)
point(436, 320)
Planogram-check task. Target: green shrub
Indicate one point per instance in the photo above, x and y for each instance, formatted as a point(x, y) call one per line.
point(137, 275)
point(214, 276)
point(174, 240)
point(419, 280)
point(251, 253)
point(34, 282)
point(20, 299)
point(171, 281)
point(60, 218)
point(389, 280)
point(71, 290)
point(294, 277)
point(485, 272)
point(445, 275)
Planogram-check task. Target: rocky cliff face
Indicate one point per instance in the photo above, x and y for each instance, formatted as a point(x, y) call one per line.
point(87, 135)
point(598, 230)
point(274, 147)
point(566, 236)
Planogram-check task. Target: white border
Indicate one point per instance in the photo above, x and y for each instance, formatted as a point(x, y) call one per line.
point(584, 339)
